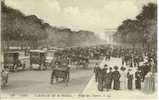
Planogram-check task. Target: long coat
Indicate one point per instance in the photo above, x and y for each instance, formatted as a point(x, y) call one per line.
point(138, 80)
point(96, 71)
point(108, 80)
point(116, 76)
point(130, 80)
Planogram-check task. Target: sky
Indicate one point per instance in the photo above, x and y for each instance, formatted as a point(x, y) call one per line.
point(93, 15)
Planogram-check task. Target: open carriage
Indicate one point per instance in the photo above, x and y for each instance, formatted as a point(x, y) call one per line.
point(61, 72)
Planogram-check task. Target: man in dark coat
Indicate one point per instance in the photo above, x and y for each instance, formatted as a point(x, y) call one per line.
point(110, 78)
point(138, 79)
point(116, 76)
point(145, 69)
point(96, 71)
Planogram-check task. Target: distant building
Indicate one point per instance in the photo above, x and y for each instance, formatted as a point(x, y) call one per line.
point(109, 35)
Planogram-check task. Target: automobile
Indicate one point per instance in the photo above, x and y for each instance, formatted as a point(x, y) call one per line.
point(38, 59)
point(12, 61)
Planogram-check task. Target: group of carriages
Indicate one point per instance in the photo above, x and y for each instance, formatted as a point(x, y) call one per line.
point(14, 61)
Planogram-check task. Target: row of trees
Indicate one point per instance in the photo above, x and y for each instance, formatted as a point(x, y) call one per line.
point(141, 30)
point(18, 27)
point(30, 29)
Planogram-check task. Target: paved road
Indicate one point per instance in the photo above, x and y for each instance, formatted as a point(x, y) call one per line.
point(39, 82)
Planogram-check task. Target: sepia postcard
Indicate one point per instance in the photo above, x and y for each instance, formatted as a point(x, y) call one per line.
point(78, 49)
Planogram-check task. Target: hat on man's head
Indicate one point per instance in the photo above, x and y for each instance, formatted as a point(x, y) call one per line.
point(123, 68)
point(115, 67)
point(105, 65)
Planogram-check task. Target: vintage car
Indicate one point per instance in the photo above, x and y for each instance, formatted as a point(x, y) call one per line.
point(38, 59)
point(12, 61)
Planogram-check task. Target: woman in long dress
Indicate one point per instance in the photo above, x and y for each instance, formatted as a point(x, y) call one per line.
point(149, 83)
point(130, 79)
point(123, 78)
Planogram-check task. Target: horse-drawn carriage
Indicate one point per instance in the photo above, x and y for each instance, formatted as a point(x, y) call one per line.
point(60, 71)
point(12, 61)
point(38, 58)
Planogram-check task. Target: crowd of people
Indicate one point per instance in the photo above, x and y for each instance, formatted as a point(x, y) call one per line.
point(138, 67)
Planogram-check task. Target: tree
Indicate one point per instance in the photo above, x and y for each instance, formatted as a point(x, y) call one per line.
point(142, 30)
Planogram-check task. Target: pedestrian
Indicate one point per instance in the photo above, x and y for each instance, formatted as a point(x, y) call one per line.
point(146, 68)
point(96, 71)
point(149, 83)
point(123, 60)
point(110, 77)
point(130, 79)
point(106, 79)
point(138, 79)
point(116, 76)
point(123, 78)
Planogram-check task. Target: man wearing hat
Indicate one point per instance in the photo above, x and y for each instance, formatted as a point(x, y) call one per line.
point(145, 69)
point(116, 76)
point(110, 78)
point(104, 70)
point(96, 71)
point(138, 79)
